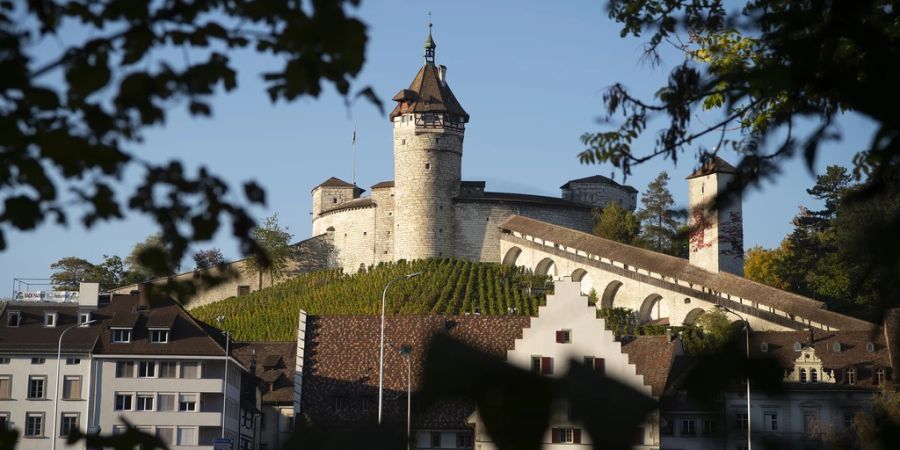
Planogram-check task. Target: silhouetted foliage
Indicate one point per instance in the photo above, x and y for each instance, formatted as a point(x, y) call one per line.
point(205, 259)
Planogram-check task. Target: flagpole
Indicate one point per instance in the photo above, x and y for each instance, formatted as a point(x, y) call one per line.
point(354, 155)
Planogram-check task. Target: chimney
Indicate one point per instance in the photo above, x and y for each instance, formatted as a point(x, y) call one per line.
point(145, 291)
point(88, 295)
point(442, 74)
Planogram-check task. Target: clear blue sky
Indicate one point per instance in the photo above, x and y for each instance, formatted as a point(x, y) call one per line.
point(530, 74)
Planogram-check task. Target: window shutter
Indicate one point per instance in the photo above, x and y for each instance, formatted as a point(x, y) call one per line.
point(600, 365)
point(554, 435)
point(546, 365)
point(576, 436)
point(559, 336)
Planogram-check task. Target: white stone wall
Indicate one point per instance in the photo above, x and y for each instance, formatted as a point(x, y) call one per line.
point(354, 236)
point(716, 242)
point(325, 198)
point(427, 165)
point(600, 195)
point(477, 225)
point(384, 224)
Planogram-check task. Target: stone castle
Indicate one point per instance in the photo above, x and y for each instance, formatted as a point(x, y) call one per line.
point(428, 210)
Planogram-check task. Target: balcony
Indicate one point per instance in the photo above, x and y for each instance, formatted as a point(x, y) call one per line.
point(168, 418)
point(199, 385)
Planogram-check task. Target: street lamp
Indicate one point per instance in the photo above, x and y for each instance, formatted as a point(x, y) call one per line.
point(56, 391)
point(406, 351)
point(747, 339)
point(381, 357)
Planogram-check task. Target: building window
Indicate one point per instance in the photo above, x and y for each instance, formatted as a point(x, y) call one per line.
point(68, 423)
point(147, 369)
point(84, 317)
point(243, 290)
point(667, 427)
point(542, 365)
point(803, 375)
point(813, 376)
point(50, 319)
point(168, 369)
point(566, 435)
point(187, 402)
point(339, 403)
point(37, 387)
point(71, 387)
point(145, 402)
point(880, 376)
point(124, 369)
point(688, 427)
point(596, 364)
point(5, 387)
point(187, 436)
point(4, 360)
point(563, 336)
point(770, 421)
point(740, 421)
point(190, 369)
point(38, 360)
point(465, 439)
point(851, 375)
point(165, 402)
point(4, 421)
point(34, 424)
point(13, 318)
point(73, 361)
point(123, 402)
point(709, 426)
point(159, 336)
point(166, 435)
point(435, 439)
point(121, 335)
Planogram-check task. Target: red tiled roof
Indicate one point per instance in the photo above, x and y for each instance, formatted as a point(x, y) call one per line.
point(653, 356)
point(427, 93)
point(259, 357)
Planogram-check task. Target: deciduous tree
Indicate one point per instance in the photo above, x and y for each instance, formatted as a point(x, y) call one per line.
point(275, 242)
point(69, 271)
point(617, 224)
point(205, 259)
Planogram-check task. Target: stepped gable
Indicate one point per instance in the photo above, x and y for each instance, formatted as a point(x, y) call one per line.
point(272, 363)
point(711, 166)
point(653, 357)
point(598, 179)
point(681, 269)
point(341, 361)
point(851, 353)
point(428, 94)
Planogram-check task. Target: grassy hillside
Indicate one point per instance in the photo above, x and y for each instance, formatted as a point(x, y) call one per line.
point(445, 286)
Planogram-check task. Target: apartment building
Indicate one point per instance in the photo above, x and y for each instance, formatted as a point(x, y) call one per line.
point(273, 365)
point(136, 358)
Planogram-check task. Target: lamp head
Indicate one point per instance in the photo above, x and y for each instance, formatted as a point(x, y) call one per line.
point(87, 323)
point(413, 275)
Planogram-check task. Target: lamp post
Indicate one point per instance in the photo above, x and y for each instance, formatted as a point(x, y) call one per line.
point(747, 339)
point(219, 320)
point(406, 351)
point(381, 357)
point(53, 435)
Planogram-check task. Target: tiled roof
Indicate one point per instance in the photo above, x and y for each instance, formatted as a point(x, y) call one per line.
point(335, 182)
point(472, 183)
point(713, 165)
point(681, 269)
point(31, 336)
point(383, 185)
point(654, 357)
point(340, 382)
point(427, 93)
point(161, 318)
point(364, 202)
point(255, 355)
point(506, 197)
point(598, 179)
point(853, 351)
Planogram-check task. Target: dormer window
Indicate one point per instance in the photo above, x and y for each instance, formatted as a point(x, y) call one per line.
point(50, 319)
point(121, 335)
point(798, 346)
point(159, 336)
point(813, 376)
point(870, 347)
point(764, 347)
point(836, 347)
point(880, 376)
point(803, 375)
point(84, 317)
point(13, 319)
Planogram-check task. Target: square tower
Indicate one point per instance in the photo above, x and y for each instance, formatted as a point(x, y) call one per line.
point(717, 231)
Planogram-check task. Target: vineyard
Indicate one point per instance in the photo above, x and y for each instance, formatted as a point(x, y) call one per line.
point(446, 286)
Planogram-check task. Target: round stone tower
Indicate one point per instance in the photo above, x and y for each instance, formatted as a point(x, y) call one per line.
point(429, 125)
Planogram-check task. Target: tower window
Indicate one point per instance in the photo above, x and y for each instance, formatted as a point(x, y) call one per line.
point(334, 200)
point(427, 166)
point(402, 141)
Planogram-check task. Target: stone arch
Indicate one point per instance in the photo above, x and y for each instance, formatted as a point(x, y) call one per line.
point(692, 316)
point(609, 294)
point(582, 276)
point(511, 256)
point(646, 312)
point(578, 274)
point(545, 267)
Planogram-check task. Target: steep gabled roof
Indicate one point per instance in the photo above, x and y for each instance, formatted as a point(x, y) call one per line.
point(256, 355)
point(711, 166)
point(334, 182)
point(427, 93)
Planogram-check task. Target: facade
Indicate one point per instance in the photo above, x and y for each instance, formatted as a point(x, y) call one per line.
point(124, 357)
point(428, 210)
point(272, 363)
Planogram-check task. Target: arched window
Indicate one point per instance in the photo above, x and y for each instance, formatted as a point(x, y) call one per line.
point(813, 376)
point(803, 375)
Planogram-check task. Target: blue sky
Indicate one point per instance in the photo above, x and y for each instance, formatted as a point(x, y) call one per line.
point(530, 74)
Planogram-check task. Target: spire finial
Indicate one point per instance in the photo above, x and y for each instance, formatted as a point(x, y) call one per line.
point(429, 44)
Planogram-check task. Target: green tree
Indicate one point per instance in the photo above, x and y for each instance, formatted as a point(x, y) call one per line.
point(275, 242)
point(621, 321)
point(660, 222)
point(149, 259)
point(711, 333)
point(205, 259)
point(110, 273)
point(69, 120)
point(69, 271)
point(617, 224)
